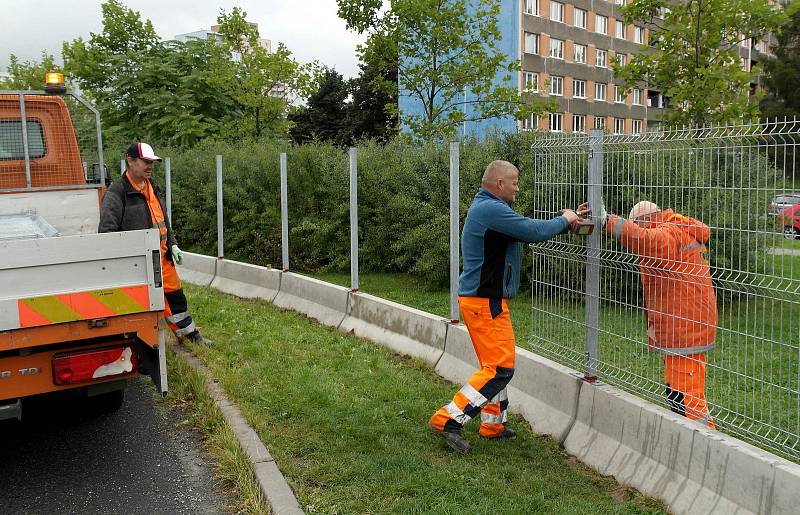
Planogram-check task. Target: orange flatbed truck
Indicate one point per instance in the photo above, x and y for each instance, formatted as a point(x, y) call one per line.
point(78, 309)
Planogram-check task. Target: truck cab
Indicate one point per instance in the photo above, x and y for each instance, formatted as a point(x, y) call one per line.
point(78, 309)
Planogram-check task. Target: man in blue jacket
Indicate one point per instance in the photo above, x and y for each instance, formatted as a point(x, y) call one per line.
point(490, 246)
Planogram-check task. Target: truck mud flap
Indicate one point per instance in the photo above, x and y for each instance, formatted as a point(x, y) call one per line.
point(153, 362)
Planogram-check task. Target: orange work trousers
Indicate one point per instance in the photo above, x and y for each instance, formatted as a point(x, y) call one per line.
point(489, 326)
point(685, 382)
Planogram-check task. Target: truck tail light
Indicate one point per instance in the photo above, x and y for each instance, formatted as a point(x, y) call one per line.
point(85, 366)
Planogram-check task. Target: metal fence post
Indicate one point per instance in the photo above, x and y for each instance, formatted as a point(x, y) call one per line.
point(454, 230)
point(284, 215)
point(122, 166)
point(168, 186)
point(220, 234)
point(353, 219)
point(595, 194)
point(25, 144)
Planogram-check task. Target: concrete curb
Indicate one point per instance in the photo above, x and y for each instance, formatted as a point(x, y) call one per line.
point(276, 490)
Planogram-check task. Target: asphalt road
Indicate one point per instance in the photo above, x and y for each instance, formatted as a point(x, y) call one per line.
point(61, 459)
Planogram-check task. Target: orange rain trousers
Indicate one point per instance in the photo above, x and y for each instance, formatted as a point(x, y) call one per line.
point(489, 326)
point(685, 381)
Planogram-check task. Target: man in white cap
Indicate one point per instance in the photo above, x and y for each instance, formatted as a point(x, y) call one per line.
point(134, 202)
point(680, 303)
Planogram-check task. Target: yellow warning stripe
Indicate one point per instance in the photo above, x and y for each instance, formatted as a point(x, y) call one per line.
point(56, 309)
point(52, 309)
point(118, 301)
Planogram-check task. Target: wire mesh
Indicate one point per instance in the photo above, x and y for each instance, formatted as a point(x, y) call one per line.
point(61, 136)
point(728, 179)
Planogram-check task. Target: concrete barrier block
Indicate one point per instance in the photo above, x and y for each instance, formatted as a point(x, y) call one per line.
point(324, 302)
point(545, 393)
point(692, 468)
point(197, 269)
point(403, 329)
point(245, 280)
point(786, 489)
point(458, 362)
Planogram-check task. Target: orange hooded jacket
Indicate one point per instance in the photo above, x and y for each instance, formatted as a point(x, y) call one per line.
point(676, 280)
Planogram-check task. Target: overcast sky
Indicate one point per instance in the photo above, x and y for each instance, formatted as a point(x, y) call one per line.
point(309, 28)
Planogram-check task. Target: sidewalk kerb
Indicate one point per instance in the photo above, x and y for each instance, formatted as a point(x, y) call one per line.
point(273, 485)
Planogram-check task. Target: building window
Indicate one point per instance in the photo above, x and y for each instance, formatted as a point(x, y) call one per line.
point(556, 85)
point(555, 122)
point(530, 123)
point(557, 11)
point(621, 59)
point(580, 18)
point(638, 35)
point(619, 125)
point(619, 95)
point(578, 123)
point(743, 61)
point(636, 127)
point(600, 24)
point(578, 88)
point(532, 7)
point(619, 2)
point(531, 43)
point(600, 91)
point(637, 97)
point(557, 48)
point(531, 81)
point(580, 54)
point(601, 58)
point(620, 29)
point(599, 123)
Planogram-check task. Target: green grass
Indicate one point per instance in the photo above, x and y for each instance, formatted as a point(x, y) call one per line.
point(188, 391)
point(346, 421)
point(752, 379)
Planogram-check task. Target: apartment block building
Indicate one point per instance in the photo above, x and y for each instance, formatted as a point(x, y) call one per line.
point(567, 50)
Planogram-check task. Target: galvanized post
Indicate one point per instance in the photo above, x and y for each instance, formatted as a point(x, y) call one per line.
point(25, 145)
point(122, 166)
point(220, 234)
point(168, 184)
point(284, 214)
point(454, 230)
point(353, 219)
point(595, 198)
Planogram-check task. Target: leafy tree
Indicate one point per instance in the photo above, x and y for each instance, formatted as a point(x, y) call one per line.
point(28, 74)
point(323, 119)
point(262, 83)
point(445, 47)
point(372, 112)
point(694, 58)
point(783, 72)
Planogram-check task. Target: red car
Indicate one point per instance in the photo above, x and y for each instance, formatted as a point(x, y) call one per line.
point(789, 219)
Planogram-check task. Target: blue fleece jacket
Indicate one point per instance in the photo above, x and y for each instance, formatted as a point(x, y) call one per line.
point(490, 246)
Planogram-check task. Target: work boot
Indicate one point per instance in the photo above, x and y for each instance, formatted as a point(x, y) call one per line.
point(507, 433)
point(457, 442)
point(196, 337)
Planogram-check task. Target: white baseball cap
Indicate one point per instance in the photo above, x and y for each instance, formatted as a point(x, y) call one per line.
point(143, 151)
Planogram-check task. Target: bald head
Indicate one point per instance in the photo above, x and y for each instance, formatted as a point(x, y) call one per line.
point(501, 179)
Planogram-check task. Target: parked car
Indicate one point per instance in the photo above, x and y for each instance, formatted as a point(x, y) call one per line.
point(782, 201)
point(789, 221)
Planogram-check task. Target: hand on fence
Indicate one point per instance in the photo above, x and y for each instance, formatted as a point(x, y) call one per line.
point(570, 216)
point(177, 255)
point(583, 210)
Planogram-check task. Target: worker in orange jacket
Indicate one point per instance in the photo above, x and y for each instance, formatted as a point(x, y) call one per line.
point(679, 299)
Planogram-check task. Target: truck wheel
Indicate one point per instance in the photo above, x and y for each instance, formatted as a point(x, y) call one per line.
point(107, 402)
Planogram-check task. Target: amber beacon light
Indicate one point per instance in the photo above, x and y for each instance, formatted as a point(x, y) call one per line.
point(54, 82)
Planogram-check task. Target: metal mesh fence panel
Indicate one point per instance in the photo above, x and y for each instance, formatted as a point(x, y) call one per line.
point(724, 187)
